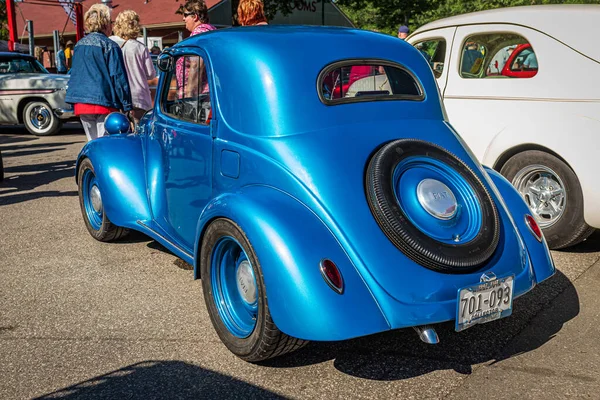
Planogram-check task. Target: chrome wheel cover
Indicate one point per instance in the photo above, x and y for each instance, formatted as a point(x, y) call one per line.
point(437, 199)
point(543, 191)
point(246, 283)
point(96, 199)
point(40, 117)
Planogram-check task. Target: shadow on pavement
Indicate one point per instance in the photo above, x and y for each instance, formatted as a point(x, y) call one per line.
point(8, 139)
point(32, 177)
point(29, 146)
point(69, 128)
point(400, 354)
point(590, 245)
point(26, 152)
point(162, 379)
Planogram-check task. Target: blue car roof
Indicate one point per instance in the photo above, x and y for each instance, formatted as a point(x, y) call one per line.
point(267, 76)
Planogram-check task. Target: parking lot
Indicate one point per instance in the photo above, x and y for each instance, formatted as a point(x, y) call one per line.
point(84, 319)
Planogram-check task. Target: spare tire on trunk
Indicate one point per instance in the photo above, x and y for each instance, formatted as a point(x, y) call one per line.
point(432, 206)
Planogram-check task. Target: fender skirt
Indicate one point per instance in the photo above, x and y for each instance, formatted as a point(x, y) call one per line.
point(290, 241)
point(543, 265)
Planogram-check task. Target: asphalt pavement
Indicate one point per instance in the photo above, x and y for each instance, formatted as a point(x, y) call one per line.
point(126, 320)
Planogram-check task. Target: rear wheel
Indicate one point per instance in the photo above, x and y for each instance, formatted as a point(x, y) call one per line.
point(235, 296)
point(553, 193)
point(39, 119)
point(92, 207)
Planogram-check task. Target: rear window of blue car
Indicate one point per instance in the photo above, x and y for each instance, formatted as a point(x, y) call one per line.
point(353, 81)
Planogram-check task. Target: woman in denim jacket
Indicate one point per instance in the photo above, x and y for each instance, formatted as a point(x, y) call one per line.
point(98, 83)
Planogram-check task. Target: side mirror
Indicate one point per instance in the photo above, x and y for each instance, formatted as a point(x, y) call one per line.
point(165, 62)
point(116, 123)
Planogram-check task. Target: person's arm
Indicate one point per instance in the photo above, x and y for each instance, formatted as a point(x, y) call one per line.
point(150, 71)
point(118, 74)
point(191, 86)
point(63, 60)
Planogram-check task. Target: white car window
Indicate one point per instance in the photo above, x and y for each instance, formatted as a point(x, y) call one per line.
point(497, 55)
point(434, 52)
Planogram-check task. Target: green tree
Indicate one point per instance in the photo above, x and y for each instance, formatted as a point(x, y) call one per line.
point(386, 15)
point(3, 21)
point(448, 8)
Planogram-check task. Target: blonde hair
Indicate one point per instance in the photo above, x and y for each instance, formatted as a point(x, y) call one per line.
point(127, 25)
point(251, 12)
point(97, 18)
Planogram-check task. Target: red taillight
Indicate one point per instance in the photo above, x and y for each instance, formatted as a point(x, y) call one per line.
point(332, 276)
point(533, 227)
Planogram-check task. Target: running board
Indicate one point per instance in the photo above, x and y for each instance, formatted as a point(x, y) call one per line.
point(168, 242)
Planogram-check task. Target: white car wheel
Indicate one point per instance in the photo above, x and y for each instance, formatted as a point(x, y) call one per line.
point(39, 119)
point(553, 193)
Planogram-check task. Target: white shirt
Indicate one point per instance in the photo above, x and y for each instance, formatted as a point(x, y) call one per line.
point(139, 70)
point(499, 61)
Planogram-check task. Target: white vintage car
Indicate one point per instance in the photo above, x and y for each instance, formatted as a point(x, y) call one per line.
point(522, 86)
point(31, 96)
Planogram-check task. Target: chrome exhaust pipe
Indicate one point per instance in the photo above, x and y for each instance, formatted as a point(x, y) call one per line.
point(427, 334)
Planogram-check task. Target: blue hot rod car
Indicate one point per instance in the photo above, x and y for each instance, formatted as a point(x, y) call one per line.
point(312, 179)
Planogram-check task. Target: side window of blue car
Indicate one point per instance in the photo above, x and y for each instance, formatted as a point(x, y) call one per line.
point(187, 96)
point(349, 81)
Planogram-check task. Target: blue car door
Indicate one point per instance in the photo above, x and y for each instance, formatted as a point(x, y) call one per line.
point(179, 150)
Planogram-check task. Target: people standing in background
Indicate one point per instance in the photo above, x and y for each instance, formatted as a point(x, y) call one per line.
point(61, 61)
point(98, 83)
point(471, 58)
point(498, 62)
point(47, 58)
point(155, 50)
point(69, 53)
point(251, 12)
point(137, 61)
point(403, 32)
point(530, 62)
point(195, 16)
point(39, 54)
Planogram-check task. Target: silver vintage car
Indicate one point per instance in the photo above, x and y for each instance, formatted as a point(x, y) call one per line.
point(30, 95)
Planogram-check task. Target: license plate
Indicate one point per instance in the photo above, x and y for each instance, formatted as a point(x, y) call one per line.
point(484, 302)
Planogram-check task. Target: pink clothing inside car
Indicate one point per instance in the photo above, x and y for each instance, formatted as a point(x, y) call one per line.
point(182, 73)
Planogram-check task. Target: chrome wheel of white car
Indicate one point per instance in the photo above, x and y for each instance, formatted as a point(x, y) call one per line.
point(543, 191)
point(553, 193)
point(39, 119)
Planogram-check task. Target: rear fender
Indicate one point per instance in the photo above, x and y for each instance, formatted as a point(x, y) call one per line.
point(290, 242)
point(543, 265)
point(119, 166)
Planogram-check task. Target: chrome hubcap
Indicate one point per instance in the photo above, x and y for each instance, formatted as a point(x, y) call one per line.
point(437, 199)
point(246, 283)
point(40, 117)
point(543, 191)
point(96, 198)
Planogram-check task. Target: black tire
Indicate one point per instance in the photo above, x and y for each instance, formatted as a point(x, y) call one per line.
point(103, 230)
point(417, 245)
point(570, 227)
point(266, 340)
point(39, 119)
